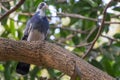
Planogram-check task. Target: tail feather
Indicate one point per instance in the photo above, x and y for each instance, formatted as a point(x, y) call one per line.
point(22, 68)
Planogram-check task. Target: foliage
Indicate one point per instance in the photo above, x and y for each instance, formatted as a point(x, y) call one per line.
point(106, 52)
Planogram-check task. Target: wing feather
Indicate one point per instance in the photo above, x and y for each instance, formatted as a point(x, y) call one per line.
point(27, 30)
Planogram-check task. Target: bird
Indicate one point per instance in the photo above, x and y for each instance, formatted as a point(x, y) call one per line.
point(36, 29)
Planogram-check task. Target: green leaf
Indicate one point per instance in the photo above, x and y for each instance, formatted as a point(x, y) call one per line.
point(96, 64)
point(106, 63)
point(117, 44)
point(6, 32)
point(1, 67)
point(12, 28)
point(117, 36)
point(114, 3)
point(92, 35)
point(98, 1)
point(92, 3)
point(6, 5)
point(107, 17)
point(76, 40)
point(34, 72)
point(4, 21)
point(7, 72)
point(64, 33)
point(52, 73)
point(22, 18)
point(116, 8)
point(116, 68)
point(106, 28)
point(79, 50)
point(37, 2)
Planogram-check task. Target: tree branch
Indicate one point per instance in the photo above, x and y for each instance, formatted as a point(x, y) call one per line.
point(63, 28)
point(109, 38)
point(99, 31)
point(4, 8)
point(5, 1)
point(73, 16)
point(85, 18)
point(42, 53)
point(69, 29)
point(13, 9)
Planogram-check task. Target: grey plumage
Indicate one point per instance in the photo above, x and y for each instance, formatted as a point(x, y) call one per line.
point(36, 29)
point(37, 26)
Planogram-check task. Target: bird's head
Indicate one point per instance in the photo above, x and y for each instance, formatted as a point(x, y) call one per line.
point(42, 6)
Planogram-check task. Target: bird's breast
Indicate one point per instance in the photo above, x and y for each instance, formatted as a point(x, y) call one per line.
point(35, 35)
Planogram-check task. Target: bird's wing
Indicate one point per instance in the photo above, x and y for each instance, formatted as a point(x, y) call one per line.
point(27, 30)
point(36, 29)
point(47, 26)
point(39, 30)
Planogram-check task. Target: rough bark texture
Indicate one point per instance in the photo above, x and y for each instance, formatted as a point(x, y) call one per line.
point(49, 55)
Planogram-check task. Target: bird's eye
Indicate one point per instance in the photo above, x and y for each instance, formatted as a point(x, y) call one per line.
point(41, 5)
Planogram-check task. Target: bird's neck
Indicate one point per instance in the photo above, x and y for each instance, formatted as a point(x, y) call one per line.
point(41, 13)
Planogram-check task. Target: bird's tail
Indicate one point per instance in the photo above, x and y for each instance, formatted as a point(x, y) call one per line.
point(22, 68)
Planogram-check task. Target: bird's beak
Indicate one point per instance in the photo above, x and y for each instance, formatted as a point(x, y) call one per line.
point(46, 6)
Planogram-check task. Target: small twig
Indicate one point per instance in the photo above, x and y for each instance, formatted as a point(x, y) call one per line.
point(4, 8)
point(76, 46)
point(77, 72)
point(73, 16)
point(69, 29)
point(17, 20)
point(116, 16)
point(76, 16)
point(13, 9)
point(61, 1)
point(85, 18)
point(109, 38)
point(99, 31)
point(31, 14)
point(91, 32)
point(84, 44)
point(69, 37)
point(26, 14)
point(60, 76)
point(117, 0)
point(6, 1)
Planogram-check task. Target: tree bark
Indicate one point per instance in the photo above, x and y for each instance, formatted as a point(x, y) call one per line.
point(43, 53)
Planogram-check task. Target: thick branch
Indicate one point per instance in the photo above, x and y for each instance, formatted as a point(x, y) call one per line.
point(46, 54)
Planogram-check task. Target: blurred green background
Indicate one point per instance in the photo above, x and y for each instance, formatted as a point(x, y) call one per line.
point(67, 32)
